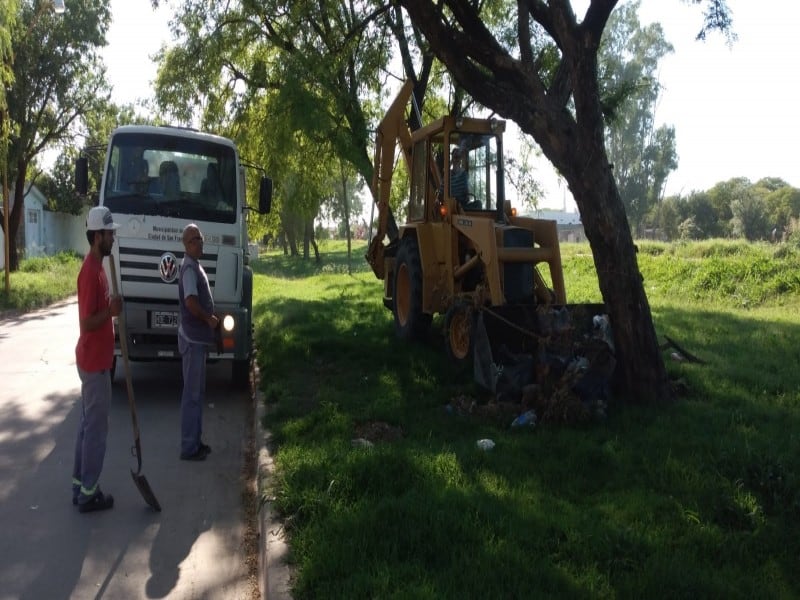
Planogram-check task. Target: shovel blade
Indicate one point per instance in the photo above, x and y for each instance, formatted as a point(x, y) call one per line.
point(144, 489)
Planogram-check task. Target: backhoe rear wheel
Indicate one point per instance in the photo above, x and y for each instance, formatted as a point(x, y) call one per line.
point(459, 334)
point(409, 321)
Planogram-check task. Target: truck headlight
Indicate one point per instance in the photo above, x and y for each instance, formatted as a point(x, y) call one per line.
point(227, 323)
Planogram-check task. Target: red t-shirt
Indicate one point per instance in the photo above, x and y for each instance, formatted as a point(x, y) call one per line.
point(95, 349)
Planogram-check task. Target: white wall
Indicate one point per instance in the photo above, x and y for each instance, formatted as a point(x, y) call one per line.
point(65, 232)
point(57, 232)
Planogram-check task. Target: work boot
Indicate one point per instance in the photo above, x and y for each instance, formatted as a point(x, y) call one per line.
point(99, 501)
point(199, 454)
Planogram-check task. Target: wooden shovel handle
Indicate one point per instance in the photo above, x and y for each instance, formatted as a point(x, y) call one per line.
point(123, 342)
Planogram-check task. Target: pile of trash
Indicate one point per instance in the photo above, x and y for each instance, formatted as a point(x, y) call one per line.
point(563, 376)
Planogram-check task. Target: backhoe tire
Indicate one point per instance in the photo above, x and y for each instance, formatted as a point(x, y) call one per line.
point(409, 321)
point(459, 334)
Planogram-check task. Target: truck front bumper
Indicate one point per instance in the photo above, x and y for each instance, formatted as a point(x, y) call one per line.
point(152, 330)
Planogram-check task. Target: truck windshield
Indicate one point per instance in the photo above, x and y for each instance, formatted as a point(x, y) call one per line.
point(171, 176)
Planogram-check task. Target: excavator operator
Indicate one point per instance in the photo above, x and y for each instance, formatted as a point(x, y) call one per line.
point(459, 186)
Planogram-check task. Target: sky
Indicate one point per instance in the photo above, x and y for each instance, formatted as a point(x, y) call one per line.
point(734, 108)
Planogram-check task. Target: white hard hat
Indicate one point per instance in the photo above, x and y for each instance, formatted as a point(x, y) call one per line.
point(99, 219)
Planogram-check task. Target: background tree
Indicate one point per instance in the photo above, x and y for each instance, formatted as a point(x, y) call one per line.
point(666, 216)
point(705, 217)
point(323, 62)
point(559, 104)
point(90, 139)
point(58, 185)
point(643, 155)
point(749, 218)
point(319, 68)
point(722, 196)
point(58, 76)
point(521, 174)
point(344, 204)
point(732, 208)
point(8, 17)
point(781, 202)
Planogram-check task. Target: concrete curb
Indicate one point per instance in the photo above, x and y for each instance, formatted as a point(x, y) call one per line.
point(273, 570)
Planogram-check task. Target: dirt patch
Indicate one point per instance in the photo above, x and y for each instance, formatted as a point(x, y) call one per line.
point(378, 431)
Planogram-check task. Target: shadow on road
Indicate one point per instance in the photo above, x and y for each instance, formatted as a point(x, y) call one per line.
point(191, 549)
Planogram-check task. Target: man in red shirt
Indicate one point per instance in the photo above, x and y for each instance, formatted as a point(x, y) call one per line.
point(94, 356)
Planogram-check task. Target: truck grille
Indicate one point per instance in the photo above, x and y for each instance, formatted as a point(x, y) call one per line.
point(141, 265)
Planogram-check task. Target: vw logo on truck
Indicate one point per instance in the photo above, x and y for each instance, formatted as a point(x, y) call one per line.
point(168, 267)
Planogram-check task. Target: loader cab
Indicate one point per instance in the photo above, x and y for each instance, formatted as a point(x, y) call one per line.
point(457, 167)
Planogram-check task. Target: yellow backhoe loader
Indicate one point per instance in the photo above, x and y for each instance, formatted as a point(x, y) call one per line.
point(463, 252)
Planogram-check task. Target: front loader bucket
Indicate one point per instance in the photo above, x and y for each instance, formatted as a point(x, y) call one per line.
point(526, 328)
point(504, 334)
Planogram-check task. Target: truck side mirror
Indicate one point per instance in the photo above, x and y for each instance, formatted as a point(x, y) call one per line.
point(265, 195)
point(82, 175)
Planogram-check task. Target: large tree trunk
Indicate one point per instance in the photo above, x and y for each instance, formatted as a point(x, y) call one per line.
point(640, 365)
point(571, 136)
point(590, 177)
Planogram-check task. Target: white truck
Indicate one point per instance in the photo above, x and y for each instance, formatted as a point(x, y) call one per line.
point(155, 181)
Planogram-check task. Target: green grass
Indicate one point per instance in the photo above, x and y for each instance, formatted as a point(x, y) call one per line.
point(41, 281)
point(696, 499)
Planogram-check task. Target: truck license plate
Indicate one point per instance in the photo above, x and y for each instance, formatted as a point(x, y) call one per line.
point(165, 319)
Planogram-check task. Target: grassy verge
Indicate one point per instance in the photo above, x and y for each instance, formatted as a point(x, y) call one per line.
point(697, 499)
point(41, 281)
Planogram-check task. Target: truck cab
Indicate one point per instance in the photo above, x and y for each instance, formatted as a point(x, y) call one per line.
point(157, 180)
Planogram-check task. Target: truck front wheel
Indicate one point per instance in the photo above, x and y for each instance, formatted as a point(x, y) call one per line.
point(240, 369)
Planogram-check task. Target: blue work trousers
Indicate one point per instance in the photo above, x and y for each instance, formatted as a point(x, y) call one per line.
point(193, 395)
point(90, 447)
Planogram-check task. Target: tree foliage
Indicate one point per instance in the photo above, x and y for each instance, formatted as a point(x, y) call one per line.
point(57, 186)
point(305, 71)
point(520, 173)
point(764, 210)
point(643, 155)
point(58, 77)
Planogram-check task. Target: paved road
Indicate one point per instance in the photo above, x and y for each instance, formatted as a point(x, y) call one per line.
point(194, 548)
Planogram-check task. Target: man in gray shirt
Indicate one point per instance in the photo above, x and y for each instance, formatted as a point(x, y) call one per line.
point(195, 333)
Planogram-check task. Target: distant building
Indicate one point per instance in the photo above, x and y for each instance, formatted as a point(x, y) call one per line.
point(569, 225)
point(44, 233)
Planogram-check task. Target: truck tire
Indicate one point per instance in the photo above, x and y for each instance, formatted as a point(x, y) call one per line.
point(240, 374)
point(459, 338)
point(410, 322)
point(240, 369)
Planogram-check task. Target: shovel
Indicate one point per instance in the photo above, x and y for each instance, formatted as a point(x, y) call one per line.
point(138, 478)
